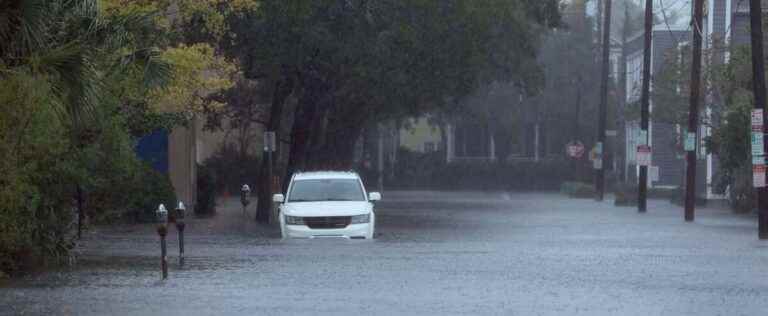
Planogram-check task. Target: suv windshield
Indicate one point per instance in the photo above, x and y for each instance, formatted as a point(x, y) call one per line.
point(326, 190)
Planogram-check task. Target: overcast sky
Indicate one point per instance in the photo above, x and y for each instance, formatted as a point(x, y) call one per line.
point(671, 8)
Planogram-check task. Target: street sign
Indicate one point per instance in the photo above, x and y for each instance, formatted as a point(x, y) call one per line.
point(758, 159)
point(757, 118)
point(653, 173)
point(642, 137)
point(690, 141)
point(643, 156)
point(270, 143)
point(597, 156)
point(611, 133)
point(575, 149)
point(758, 176)
point(758, 148)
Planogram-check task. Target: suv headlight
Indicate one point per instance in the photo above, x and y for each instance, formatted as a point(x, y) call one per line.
point(361, 219)
point(294, 220)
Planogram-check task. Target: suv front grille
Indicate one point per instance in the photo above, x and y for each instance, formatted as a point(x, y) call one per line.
point(327, 222)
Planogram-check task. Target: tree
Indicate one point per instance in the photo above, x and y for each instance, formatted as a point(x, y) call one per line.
point(57, 62)
point(353, 62)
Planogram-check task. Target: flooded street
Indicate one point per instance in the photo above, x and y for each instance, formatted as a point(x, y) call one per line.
point(435, 254)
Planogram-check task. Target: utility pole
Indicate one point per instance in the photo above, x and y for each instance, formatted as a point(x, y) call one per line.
point(598, 164)
point(693, 114)
point(642, 191)
point(758, 82)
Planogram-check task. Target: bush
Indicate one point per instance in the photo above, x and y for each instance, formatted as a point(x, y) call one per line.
point(38, 168)
point(232, 170)
point(741, 194)
point(429, 171)
point(151, 189)
point(206, 191)
point(730, 142)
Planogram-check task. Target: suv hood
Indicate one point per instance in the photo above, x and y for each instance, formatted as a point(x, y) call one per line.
point(326, 208)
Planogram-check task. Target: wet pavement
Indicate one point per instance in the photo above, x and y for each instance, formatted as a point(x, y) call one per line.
point(435, 254)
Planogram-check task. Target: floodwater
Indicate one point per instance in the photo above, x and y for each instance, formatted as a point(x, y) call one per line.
point(436, 253)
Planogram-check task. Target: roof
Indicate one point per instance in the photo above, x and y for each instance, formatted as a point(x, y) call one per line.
point(325, 175)
point(658, 28)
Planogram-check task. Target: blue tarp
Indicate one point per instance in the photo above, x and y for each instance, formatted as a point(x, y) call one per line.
point(153, 148)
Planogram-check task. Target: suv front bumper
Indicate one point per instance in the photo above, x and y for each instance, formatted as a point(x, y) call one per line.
point(351, 231)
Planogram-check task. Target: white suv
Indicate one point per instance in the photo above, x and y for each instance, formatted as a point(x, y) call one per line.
point(327, 204)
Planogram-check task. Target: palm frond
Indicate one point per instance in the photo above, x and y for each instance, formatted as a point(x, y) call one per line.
point(73, 76)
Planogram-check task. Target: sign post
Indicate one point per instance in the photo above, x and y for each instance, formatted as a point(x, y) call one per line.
point(644, 155)
point(597, 156)
point(270, 144)
point(575, 149)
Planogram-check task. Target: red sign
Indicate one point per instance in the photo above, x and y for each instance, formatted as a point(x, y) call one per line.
point(758, 176)
point(643, 156)
point(575, 149)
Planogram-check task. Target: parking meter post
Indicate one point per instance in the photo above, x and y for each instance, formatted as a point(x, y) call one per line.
point(180, 225)
point(244, 198)
point(162, 231)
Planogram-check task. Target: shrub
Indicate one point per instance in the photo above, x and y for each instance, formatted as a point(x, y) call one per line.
point(232, 170)
point(151, 189)
point(429, 171)
point(741, 194)
point(38, 168)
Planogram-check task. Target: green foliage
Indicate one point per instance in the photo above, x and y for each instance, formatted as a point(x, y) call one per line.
point(37, 166)
point(731, 139)
point(232, 169)
point(149, 190)
point(428, 171)
point(66, 70)
point(390, 58)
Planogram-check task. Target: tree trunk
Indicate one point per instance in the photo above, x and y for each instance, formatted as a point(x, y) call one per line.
point(283, 88)
point(301, 132)
point(318, 136)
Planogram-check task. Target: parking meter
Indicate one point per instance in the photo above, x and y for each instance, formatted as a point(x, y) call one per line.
point(162, 231)
point(244, 194)
point(162, 214)
point(245, 191)
point(180, 210)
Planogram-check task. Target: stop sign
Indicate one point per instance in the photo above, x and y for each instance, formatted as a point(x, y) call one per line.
point(574, 149)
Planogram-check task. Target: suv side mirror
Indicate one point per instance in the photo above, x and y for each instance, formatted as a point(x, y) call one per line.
point(278, 198)
point(374, 196)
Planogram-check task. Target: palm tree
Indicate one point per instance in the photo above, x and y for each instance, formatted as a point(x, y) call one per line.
point(74, 47)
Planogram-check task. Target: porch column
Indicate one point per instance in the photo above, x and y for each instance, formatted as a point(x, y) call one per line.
point(536, 142)
point(449, 143)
